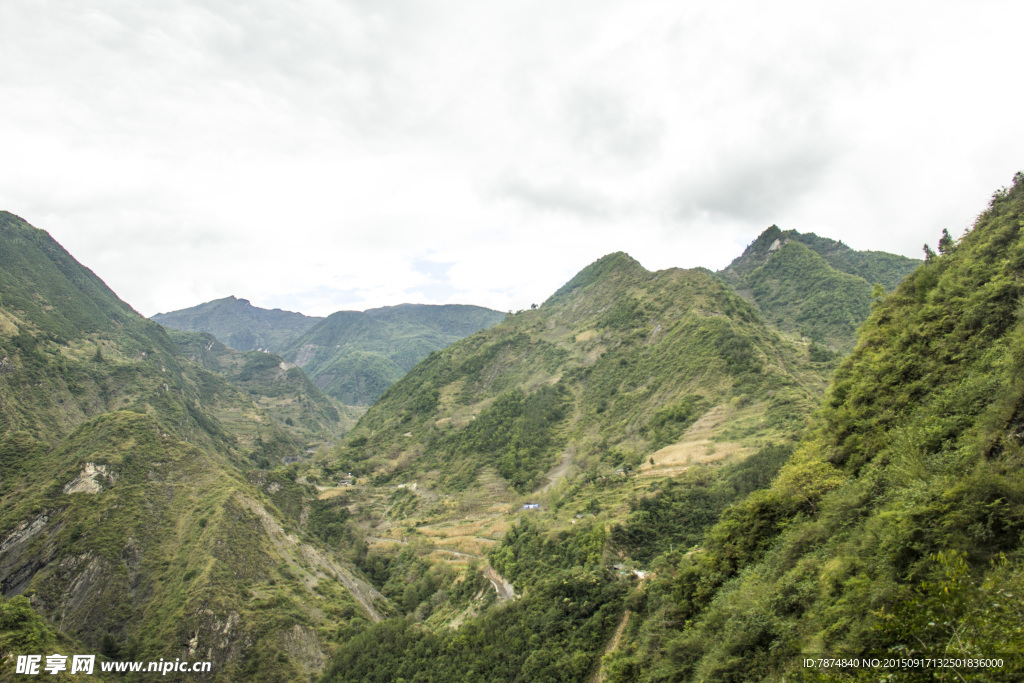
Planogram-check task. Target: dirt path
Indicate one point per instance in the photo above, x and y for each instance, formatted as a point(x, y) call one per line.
point(559, 471)
point(613, 644)
point(501, 585)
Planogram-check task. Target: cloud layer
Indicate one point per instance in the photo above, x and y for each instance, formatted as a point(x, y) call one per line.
point(344, 154)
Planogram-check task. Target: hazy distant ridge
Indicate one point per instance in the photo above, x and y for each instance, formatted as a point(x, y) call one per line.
point(240, 325)
point(353, 356)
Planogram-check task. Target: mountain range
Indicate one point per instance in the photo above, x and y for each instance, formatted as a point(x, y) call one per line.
point(880, 517)
point(353, 356)
point(652, 476)
point(240, 325)
point(814, 286)
point(138, 515)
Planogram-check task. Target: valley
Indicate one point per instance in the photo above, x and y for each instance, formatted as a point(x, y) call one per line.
point(652, 476)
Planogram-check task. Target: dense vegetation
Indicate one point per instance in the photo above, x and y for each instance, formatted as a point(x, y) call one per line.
point(240, 325)
point(614, 366)
point(896, 526)
point(801, 290)
point(356, 355)
point(554, 632)
point(812, 285)
point(516, 434)
point(681, 510)
point(144, 506)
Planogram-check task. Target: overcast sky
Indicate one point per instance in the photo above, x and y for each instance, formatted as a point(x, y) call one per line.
point(319, 155)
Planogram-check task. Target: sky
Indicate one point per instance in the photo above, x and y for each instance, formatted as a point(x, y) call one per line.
point(321, 155)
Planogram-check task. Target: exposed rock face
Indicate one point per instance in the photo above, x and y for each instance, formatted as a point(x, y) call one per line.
point(305, 354)
point(86, 482)
point(23, 533)
point(303, 648)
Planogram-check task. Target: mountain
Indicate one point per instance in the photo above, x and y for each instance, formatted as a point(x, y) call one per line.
point(611, 369)
point(813, 286)
point(274, 384)
point(355, 356)
point(889, 525)
point(896, 528)
point(144, 508)
point(625, 386)
point(240, 325)
point(647, 478)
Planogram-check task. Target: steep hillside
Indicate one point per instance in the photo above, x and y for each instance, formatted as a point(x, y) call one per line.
point(274, 384)
point(616, 365)
point(895, 530)
point(137, 513)
point(240, 325)
point(813, 286)
point(623, 415)
point(356, 355)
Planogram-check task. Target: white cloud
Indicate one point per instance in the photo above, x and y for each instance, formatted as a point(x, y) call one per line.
point(314, 157)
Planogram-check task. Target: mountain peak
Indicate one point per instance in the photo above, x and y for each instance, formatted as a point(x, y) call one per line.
point(616, 264)
point(773, 238)
point(770, 234)
point(240, 325)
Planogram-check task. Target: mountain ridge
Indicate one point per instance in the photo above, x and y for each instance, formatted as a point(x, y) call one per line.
point(895, 527)
point(356, 355)
point(144, 508)
point(351, 355)
point(608, 343)
point(813, 286)
point(652, 420)
point(239, 324)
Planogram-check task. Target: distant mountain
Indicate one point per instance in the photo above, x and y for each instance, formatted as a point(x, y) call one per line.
point(274, 384)
point(353, 356)
point(812, 285)
point(356, 355)
point(240, 325)
point(143, 511)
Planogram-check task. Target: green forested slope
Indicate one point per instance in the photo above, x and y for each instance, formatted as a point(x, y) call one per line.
point(137, 510)
point(356, 355)
point(554, 632)
point(800, 291)
point(274, 384)
point(811, 285)
point(240, 325)
point(614, 366)
point(586, 405)
point(896, 527)
point(353, 356)
point(893, 527)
